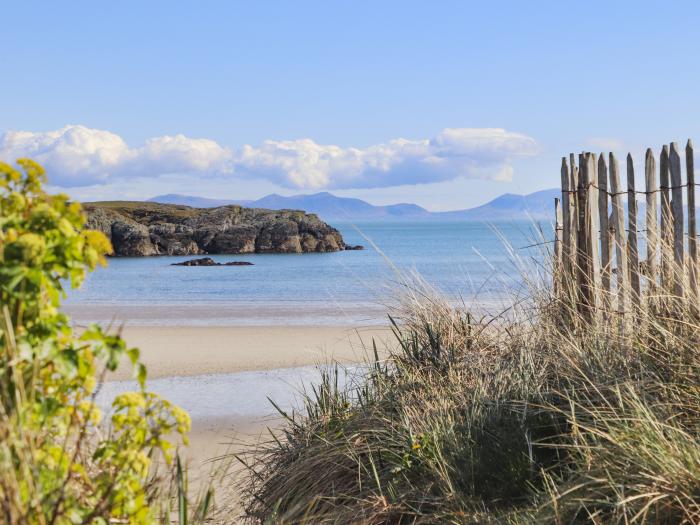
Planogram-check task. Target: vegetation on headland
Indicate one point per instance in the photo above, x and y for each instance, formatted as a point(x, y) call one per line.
point(59, 463)
point(531, 418)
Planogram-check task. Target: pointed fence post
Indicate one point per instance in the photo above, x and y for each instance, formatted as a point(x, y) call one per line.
point(584, 259)
point(573, 216)
point(692, 225)
point(666, 255)
point(573, 272)
point(633, 251)
point(593, 226)
point(652, 218)
point(573, 169)
point(678, 225)
point(606, 239)
point(618, 219)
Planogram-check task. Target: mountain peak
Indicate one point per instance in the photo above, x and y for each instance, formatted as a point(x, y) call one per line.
point(509, 206)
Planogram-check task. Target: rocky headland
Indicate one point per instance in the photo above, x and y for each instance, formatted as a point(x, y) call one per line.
point(148, 228)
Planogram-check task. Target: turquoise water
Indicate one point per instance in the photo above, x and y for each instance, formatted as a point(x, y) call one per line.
point(461, 259)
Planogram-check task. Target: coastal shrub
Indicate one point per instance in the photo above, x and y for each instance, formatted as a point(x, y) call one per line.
point(59, 463)
point(516, 419)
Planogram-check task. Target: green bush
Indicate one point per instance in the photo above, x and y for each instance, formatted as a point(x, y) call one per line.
point(58, 462)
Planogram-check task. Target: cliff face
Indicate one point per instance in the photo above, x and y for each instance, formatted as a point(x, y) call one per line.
point(147, 228)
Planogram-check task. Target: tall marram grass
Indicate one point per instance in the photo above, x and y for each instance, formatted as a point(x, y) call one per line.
point(531, 417)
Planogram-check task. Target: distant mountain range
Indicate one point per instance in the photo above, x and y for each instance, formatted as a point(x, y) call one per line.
point(509, 206)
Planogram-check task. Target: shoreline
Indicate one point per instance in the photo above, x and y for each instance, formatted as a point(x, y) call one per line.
point(241, 314)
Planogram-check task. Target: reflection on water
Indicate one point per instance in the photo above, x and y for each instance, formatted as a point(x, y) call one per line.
point(243, 394)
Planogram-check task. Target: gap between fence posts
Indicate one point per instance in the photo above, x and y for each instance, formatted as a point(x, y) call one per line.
point(565, 208)
point(558, 256)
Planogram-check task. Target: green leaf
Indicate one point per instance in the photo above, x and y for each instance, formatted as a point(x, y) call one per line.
point(141, 374)
point(134, 354)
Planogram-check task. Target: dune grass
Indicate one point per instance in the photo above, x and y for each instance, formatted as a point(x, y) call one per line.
point(529, 418)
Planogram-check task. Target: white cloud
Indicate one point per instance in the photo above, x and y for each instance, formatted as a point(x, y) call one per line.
point(78, 156)
point(457, 152)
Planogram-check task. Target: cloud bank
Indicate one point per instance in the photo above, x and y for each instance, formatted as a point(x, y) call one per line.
point(81, 156)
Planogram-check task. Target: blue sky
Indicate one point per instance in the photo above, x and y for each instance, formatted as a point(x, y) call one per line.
point(443, 103)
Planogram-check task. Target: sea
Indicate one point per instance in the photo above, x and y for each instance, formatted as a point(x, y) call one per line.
point(475, 262)
point(480, 264)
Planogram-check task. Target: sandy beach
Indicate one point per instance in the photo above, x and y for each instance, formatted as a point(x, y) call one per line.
point(228, 372)
point(169, 351)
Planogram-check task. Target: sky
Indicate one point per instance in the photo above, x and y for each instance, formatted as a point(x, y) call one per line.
point(445, 104)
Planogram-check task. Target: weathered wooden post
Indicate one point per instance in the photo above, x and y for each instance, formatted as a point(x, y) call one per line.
point(666, 219)
point(593, 226)
point(692, 225)
point(652, 218)
point(678, 225)
point(633, 252)
point(573, 215)
point(606, 239)
point(618, 219)
point(584, 254)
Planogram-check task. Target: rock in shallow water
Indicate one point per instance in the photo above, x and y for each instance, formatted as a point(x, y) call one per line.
point(208, 261)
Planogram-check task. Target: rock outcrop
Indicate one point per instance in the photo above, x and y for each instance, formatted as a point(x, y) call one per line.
point(148, 228)
point(208, 261)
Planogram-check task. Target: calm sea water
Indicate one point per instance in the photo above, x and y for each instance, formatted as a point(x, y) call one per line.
point(461, 259)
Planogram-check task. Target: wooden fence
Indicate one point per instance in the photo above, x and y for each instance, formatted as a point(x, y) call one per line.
point(598, 268)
